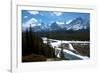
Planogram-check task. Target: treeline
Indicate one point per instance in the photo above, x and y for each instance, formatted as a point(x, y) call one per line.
point(81, 35)
point(33, 44)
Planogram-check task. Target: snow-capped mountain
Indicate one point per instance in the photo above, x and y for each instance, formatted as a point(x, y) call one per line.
point(32, 22)
point(75, 24)
point(55, 26)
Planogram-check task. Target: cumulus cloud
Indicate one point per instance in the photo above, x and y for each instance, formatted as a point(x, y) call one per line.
point(32, 21)
point(25, 16)
point(57, 13)
point(42, 14)
point(33, 12)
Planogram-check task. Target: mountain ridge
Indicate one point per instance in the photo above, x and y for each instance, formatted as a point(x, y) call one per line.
point(75, 24)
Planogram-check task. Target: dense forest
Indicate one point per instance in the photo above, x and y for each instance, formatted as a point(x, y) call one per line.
point(33, 48)
point(81, 35)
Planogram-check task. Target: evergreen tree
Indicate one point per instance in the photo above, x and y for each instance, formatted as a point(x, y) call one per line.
point(32, 43)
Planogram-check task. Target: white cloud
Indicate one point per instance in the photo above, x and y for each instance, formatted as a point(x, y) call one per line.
point(33, 12)
point(42, 14)
point(32, 21)
point(25, 16)
point(39, 24)
point(57, 13)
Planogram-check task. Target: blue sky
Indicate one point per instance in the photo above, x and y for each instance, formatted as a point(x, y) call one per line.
point(48, 17)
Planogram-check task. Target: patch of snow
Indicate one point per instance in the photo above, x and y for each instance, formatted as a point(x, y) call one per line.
point(67, 53)
point(69, 21)
point(77, 27)
point(59, 23)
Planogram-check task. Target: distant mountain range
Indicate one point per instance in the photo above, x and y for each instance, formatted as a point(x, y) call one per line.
point(75, 24)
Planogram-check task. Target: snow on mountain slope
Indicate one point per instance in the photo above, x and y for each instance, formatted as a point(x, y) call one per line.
point(73, 24)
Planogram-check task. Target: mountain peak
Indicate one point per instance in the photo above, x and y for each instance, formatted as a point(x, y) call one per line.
point(78, 20)
point(74, 24)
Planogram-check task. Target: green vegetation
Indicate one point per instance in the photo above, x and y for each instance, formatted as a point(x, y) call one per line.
point(68, 35)
point(34, 50)
point(33, 45)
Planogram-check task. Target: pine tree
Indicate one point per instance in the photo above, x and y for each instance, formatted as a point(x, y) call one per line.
point(32, 43)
